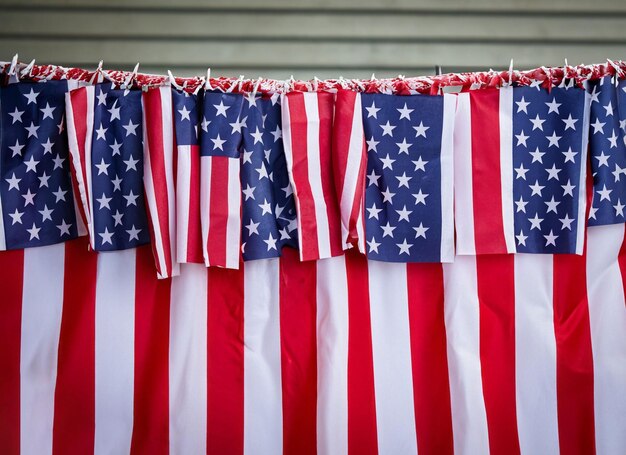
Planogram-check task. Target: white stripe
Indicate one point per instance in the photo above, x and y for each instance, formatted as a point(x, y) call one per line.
point(506, 166)
point(332, 356)
point(360, 229)
point(42, 306)
point(80, 224)
point(91, 224)
point(183, 189)
point(206, 164)
point(447, 179)
point(582, 183)
point(315, 173)
point(607, 316)
point(115, 341)
point(535, 355)
point(233, 225)
point(263, 415)
point(463, 201)
point(461, 312)
point(188, 361)
point(353, 165)
point(391, 348)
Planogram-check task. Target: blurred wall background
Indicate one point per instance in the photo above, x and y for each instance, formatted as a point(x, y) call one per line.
point(323, 38)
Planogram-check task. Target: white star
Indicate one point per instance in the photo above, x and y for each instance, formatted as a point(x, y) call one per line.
point(221, 109)
point(553, 106)
point(522, 105)
point(419, 164)
point(536, 84)
point(106, 236)
point(535, 222)
point(104, 202)
point(131, 163)
point(521, 238)
point(117, 182)
point(46, 213)
point(373, 211)
point(262, 171)
point(372, 178)
point(59, 194)
point(617, 172)
point(133, 233)
point(115, 147)
point(537, 123)
point(598, 126)
point(403, 147)
point(29, 198)
point(284, 234)
point(117, 217)
point(271, 242)
point(405, 112)
point(521, 172)
point(569, 155)
point(17, 149)
point(288, 190)
point(31, 97)
point(570, 122)
point(387, 129)
point(102, 167)
point(552, 204)
point(613, 139)
point(404, 247)
point(420, 130)
point(131, 198)
point(537, 156)
point(404, 214)
point(592, 213)
point(387, 162)
point(43, 179)
point(604, 194)
point(403, 180)
point(420, 231)
point(372, 111)
point(387, 195)
point(131, 128)
point(100, 132)
point(32, 130)
point(553, 173)
point(619, 208)
point(31, 164)
point(14, 182)
point(205, 124)
point(554, 139)
point(603, 160)
point(277, 133)
point(47, 146)
point(373, 245)
point(114, 111)
point(218, 143)
point(34, 231)
point(388, 230)
point(521, 205)
point(265, 207)
point(47, 111)
point(16, 216)
point(17, 116)
point(257, 135)
point(420, 198)
point(594, 95)
point(521, 139)
point(252, 228)
point(102, 98)
point(567, 222)
point(184, 113)
point(609, 109)
point(568, 188)
point(550, 238)
point(251, 99)
point(247, 157)
point(249, 191)
point(371, 144)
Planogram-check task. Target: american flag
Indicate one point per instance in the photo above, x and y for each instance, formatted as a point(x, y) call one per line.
point(409, 188)
point(36, 195)
point(608, 150)
point(105, 141)
point(520, 167)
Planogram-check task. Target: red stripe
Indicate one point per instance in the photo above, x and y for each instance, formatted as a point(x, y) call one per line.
point(78, 100)
point(153, 110)
point(11, 284)
point(621, 260)
point(225, 361)
point(218, 212)
point(496, 295)
point(486, 184)
point(326, 103)
point(300, 171)
point(152, 324)
point(298, 353)
point(74, 395)
point(574, 357)
point(362, 434)
point(431, 388)
point(194, 230)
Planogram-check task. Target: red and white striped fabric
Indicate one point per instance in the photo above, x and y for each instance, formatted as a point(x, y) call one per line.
point(158, 177)
point(490, 354)
point(349, 166)
point(307, 120)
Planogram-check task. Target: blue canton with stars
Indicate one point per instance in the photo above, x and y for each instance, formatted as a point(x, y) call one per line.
point(220, 126)
point(119, 211)
point(35, 185)
point(403, 186)
point(607, 146)
point(187, 117)
point(548, 130)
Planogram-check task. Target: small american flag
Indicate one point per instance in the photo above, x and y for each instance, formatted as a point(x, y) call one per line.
point(36, 197)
